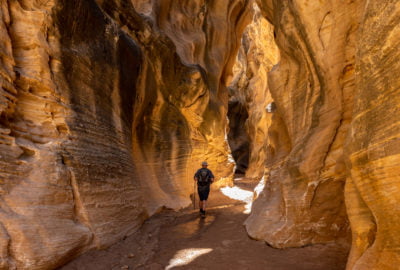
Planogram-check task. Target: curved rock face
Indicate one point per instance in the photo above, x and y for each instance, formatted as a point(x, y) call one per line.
point(312, 87)
point(207, 34)
point(67, 164)
point(106, 110)
point(372, 190)
point(249, 119)
point(108, 107)
point(336, 94)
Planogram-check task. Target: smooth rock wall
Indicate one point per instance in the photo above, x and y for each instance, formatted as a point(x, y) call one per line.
point(312, 86)
point(249, 97)
point(334, 135)
point(103, 120)
point(207, 34)
point(160, 134)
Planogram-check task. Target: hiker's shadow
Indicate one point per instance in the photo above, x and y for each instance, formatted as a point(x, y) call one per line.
point(203, 224)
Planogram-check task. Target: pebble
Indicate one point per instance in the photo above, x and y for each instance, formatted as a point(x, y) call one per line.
point(227, 243)
point(125, 267)
point(131, 255)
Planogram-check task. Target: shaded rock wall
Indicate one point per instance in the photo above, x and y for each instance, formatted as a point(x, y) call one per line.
point(66, 166)
point(104, 117)
point(249, 120)
point(207, 34)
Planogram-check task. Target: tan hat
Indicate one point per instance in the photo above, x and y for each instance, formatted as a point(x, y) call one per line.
point(204, 163)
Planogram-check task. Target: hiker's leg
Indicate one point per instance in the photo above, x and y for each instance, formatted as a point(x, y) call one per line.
point(199, 193)
point(205, 197)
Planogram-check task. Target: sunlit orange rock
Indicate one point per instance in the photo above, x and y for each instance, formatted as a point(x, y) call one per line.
point(104, 117)
point(336, 92)
point(249, 119)
point(107, 109)
point(373, 184)
point(312, 86)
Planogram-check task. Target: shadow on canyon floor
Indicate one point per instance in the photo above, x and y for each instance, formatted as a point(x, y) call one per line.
point(183, 240)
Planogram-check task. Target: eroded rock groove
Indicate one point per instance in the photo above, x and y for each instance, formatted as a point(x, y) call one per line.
point(107, 108)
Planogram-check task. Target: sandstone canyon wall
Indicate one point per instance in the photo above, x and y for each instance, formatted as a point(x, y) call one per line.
point(373, 184)
point(312, 88)
point(106, 109)
point(249, 121)
point(334, 135)
point(206, 36)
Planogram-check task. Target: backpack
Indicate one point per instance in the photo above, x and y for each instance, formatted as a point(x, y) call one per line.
point(204, 177)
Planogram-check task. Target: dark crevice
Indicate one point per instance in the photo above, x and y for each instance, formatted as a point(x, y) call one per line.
point(238, 138)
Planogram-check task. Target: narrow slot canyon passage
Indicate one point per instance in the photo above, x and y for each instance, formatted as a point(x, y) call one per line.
point(184, 240)
point(109, 107)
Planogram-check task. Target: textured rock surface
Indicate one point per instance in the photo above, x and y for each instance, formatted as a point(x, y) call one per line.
point(372, 189)
point(207, 34)
point(303, 200)
point(249, 120)
point(206, 38)
point(108, 107)
point(103, 117)
point(336, 92)
point(66, 164)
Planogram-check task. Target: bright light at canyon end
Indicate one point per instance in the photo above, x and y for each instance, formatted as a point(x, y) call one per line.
point(186, 256)
point(239, 194)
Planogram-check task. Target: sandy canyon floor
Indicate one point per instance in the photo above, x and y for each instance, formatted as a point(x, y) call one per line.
point(184, 240)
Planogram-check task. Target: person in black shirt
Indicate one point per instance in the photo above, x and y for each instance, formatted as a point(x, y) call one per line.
point(204, 178)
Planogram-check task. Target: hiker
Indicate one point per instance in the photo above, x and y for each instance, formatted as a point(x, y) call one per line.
point(204, 178)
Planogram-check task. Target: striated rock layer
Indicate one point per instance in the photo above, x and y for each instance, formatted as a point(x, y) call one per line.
point(373, 185)
point(108, 107)
point(333, 137)
point(205, 37)
point(312, 87)
point(249, 120)
point(106, 110)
